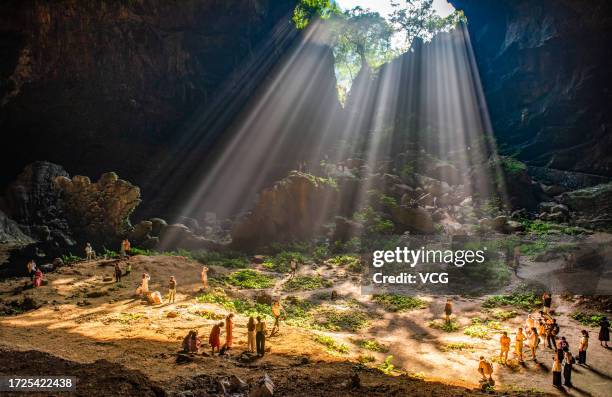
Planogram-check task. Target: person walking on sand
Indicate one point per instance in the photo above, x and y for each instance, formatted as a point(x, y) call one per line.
point(448, 310)
point(546, 302)
point(229, 331)
point(251, 335)
point(518, 344)
point(542, 330)
point(556, 371)
point(89, 252)
point(551, 334)
point(260, 337)
point(214, 339)
point(276, 311)
point(604, 332)
point(485, 369)
point(204, 276)
point(568, 362)
point(534, 341)
point(117, 272)
point(504, 343)
point(582, 347)
point(171, 289)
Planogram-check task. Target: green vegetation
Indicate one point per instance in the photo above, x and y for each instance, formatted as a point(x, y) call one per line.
point(502, 315)
point(457, 346)
point(512, 166)
point(481, 328)
point(281, 262)
point(340, 320)
point(230, 259)
point(520, 298)
point(590, 320)
point(331, 344)
point(301, 283)
point(399, 303)
point(374, 221)
point(250, 279)
point(236, 305)
point(387, 367)
point(352, 262)
point(446, 326)
point(127, 318)
point(371, 344)
point(109, 254)
point(68, 259)
point(366, 359)
point(307, 10)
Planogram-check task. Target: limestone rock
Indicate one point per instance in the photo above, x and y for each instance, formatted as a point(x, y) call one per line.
point(10, 233)
point(592, 206)
point(98, 211)
point(414, 219)
point(157, 224)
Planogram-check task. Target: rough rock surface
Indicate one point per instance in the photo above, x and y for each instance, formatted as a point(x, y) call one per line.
point(98, 211)
point(10, 233)
point(592, 206)
point(295, 208)
point(414, 219)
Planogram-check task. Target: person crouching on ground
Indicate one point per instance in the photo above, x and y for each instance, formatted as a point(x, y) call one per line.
point(38, 278)
point(214, 339)
point(171, 289)
point(144, 285)
point(485, 369)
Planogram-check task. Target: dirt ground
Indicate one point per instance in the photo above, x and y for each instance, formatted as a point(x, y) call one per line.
point(112, 325)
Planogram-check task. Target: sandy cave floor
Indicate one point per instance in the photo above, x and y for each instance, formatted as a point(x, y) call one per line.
point(118, 328)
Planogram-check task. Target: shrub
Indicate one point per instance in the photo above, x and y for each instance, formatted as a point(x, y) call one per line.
point(140, 251)
point(480, 328)
point(230, 259)
point(366, 359)
point(501, 314)
point(241, 306)
point(300, 283)
point(519, 298)
point(335, 320)
point(457, 346)
point(68, 259)
point(387, 367)
point(399, 303)
point(250, 279)
point(281, 262)
point(446, 326)
point(352, 262)
point(371, 344)
point(590, 320)
point(331, 344)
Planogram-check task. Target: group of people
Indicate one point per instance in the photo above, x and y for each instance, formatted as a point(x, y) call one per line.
point(155, 297)
point(256, 337)
point(546, 330)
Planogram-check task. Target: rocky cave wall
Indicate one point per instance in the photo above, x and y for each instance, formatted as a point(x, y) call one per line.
point(545, 69)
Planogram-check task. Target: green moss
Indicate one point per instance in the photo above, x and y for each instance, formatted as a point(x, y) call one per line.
point(512, 166)
point(399, 303)
point(250, 279)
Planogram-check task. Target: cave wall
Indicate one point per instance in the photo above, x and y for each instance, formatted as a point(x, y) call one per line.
point(106, 85)
point(545, 69)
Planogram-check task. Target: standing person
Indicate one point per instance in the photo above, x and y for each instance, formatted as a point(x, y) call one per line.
point(518, 344)
point(229, 331)
point(485, 369)
point(529, 323)
point(504, 342)
point(546, 302)
point(204, 276)
point(117, 272)
point(582, 347)
point(534, 341)
point(128, 269)
point(214, 339)
point(31, 266)
point(516, 259)
point(251, 334)
point(171, 289)
point(604, 332)
point(293, 268)
point(551, 334)
point(556, 370)
point(38, 278)
point(276, 311)
point(192, 342)
point(542, 330)
point(260, 337)
point(144, 285)
point(448, 309)
point(568, 361)
point(126, 247)
point(89, 252)
point(563, 345)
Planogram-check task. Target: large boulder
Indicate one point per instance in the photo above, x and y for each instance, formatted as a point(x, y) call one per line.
point(98, 211)
point(295, 208)
point(414, 219)
point(11, 234)
point(592, 206)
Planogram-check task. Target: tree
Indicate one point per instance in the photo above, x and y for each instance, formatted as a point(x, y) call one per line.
point(307, 10)
point(418, 18)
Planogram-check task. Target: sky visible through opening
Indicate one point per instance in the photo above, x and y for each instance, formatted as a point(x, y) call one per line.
point(383, 7)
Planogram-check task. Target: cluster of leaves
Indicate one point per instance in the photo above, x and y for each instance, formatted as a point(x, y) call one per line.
point(457, 346)
point(512, 166)
point(301, 283)
point(127, 318)
point(502, 315)
point(250, 279)
point(229, 259)
point(374, 221)
point(365, 359)
point(590, 320)
point(481, 328)
point(281, 262)
point(340, 320)
point(70, 258)
point(371, 344)
point(307, 10)
point(352, 262)
point(387, 367)
point(519, 298)
point(399, 303)
point(331, 344)
point(446, 326)
point(236, 305)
